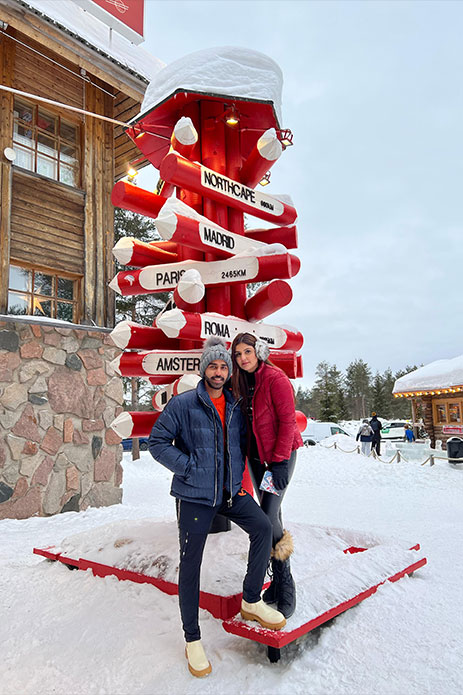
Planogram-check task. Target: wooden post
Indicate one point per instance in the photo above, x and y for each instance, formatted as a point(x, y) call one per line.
point(6, 117)
point(88, 173)
point(99, 213)
point(108, 156)
point(414, 420)
point(428, 420)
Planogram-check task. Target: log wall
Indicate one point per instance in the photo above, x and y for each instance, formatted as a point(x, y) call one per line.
point(47, 223)
point(35, 74)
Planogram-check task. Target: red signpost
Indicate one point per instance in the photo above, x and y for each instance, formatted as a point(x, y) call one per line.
point(211, 153)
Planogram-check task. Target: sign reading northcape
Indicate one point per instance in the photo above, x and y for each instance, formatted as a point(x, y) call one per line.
point(209, 183)
point(193, 326)
point(238, 191)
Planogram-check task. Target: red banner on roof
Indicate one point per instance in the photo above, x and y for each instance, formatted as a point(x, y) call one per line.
point(124, 16)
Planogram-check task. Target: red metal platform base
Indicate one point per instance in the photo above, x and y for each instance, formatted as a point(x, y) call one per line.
point(335, 569)
point(222, 607)
point(281, 638)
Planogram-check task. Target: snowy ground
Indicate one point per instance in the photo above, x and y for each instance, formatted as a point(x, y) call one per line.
point(69, 632)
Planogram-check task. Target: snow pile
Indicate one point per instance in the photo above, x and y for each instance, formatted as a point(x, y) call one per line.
point(227, 71)
point(94, 32)
point(442, 374)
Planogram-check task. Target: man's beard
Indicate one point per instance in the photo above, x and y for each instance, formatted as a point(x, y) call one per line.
point(215, 384)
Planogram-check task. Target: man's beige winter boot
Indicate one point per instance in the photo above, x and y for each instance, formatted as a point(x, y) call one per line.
point(265, 615)
point(198, 664)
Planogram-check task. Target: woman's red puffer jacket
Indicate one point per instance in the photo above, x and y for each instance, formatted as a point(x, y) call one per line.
point(274, 415)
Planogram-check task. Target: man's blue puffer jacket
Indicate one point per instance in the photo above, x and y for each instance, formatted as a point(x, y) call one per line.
point(197, 457)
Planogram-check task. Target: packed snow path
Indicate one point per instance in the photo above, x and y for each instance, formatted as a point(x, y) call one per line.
point(64, 631)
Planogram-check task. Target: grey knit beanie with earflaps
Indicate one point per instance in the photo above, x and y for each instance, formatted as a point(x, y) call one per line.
point(214, 349)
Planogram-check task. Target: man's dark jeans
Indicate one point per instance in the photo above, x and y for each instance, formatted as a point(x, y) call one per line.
point(194, 521)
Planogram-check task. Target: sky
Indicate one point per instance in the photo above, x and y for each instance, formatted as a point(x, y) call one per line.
point(372, 92)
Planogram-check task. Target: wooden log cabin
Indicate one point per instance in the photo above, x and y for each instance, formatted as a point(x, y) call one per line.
point(436, 395)
point(57, 166)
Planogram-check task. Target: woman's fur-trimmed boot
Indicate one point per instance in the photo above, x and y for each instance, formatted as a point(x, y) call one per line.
point(284, 586)
point(282, 551)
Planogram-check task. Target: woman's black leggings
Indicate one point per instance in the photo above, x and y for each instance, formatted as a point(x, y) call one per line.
point(271, 504)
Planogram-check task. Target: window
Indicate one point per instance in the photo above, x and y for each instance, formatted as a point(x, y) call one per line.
point(39, 293)
point(454, 412)
point(46, 143)
point(441, 413)
point(338, 430)
point(447, 412)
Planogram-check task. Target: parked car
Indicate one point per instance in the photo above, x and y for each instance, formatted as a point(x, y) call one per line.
point(393, 430)
point(316, 431)
point(127, 443)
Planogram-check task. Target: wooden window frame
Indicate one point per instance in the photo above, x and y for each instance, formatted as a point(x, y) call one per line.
point(76, 302)
point(58, 139)
point(446, 402)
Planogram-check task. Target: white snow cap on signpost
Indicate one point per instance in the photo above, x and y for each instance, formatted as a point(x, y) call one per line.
point(435, 375)
point(229, 71)
point(185, 132)
point(190, 287)
point(269, 146)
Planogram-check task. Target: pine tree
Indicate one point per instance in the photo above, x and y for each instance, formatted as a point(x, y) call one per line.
point(138, 308)
point(328, 393)
point(144, 307)
point(358, 378)
point(390, 402)
point(302, 400)
point(379, 399)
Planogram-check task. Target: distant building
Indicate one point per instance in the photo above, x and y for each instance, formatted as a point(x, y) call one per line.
point(437, 390)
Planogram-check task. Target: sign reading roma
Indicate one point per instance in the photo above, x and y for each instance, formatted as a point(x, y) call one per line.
point(212, 145)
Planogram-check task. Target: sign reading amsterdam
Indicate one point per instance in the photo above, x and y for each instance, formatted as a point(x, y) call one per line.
point(168, 363)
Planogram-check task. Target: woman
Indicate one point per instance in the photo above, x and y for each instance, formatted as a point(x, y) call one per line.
point(273, 438)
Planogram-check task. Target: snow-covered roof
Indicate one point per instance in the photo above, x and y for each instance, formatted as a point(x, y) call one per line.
point(227, 71)
point(94, 33)
point(442, 374)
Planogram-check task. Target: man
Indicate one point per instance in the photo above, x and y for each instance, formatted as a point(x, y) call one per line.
point(376, 426)
point(208, 463)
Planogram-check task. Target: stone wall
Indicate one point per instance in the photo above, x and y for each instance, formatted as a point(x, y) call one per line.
point(58, 396)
